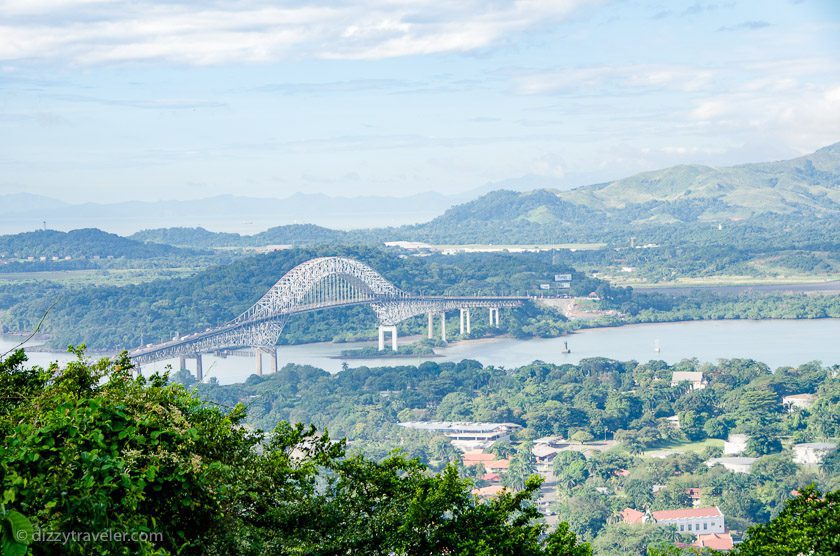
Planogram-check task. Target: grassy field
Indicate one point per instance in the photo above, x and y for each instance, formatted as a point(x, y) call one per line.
point(98, 277)
point(681, 447)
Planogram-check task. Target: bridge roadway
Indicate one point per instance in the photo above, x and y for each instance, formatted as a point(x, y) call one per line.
point(318, 284)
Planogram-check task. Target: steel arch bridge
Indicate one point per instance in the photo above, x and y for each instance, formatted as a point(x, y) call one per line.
point(322, 283)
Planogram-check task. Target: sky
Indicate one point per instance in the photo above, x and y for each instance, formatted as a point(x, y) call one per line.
point(147, 100)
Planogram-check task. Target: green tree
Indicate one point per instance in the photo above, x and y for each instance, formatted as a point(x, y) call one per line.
point(89, 448)
point(808, 524)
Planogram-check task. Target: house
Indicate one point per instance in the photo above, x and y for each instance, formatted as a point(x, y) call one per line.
point(544, 454)
point(673, 421)
point(491, 477)
point(488, 491)
point(715, 541)
point(489, 461)
point(801, 401)
point(734, 464)
point(694, 494)
point(812, 453)
point(698, 521)
point(466, 435)
point(735, 444)
point(694, 377)
point(553, 441)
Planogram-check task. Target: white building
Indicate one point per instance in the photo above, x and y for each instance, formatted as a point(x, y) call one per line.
point(735, 444)
point(697, 521)
point(466, 435)
point(734, 464)
point(694, 377)
point(812, 453)
point(802, 401)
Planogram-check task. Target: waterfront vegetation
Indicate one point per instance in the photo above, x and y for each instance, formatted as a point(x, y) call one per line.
point(155, 310)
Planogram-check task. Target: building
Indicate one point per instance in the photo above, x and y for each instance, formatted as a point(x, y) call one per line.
point(734, 464)
point(544, 455)
point(695, 494)
point(673, 421)
point(695, 378)
point(488, 491)
point(466, 435)
point(697, 521)
point(735, 445)
point(489, 461)
point(801, 401)
point(715, 541)
point(812, 453)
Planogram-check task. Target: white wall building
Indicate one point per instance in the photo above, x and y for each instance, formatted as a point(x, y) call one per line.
point(694, 377)
point(735, 464)
point(812, 453)
point(802, 401)
point(736, 444)
point(697, 521)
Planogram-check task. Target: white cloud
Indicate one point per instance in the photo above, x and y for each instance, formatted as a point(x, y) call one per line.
point(597, 79)
point(90, 31)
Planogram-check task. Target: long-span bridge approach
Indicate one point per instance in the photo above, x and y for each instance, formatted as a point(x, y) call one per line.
point(318, 284)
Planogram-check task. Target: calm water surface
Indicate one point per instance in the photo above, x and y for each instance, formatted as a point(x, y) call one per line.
point(775, 342)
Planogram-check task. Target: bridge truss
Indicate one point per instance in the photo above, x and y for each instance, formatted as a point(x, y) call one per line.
point(317, 284)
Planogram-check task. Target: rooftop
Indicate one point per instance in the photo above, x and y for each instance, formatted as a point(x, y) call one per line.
point(457, 426)
point(690, 376)
point(816, 445)
point(687, 513)
point(715, 541)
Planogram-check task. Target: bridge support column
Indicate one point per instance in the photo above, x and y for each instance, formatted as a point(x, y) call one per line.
point(382, 331)
point(199, 368)
point(182, 363)
point(443, 327)
point(258, 353)
point(431, 326)
point(465, 320)
point(494, 316)
point(272, 359)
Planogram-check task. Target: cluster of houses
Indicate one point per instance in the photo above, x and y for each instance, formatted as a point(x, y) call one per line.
point(707, 524)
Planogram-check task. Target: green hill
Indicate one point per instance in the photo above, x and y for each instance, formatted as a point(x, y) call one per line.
point(805, 185)
point(88, 242)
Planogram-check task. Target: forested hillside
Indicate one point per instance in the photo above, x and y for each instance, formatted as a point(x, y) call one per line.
point(79, 243)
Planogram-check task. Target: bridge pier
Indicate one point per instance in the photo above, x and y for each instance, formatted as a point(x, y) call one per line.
point(431, 326)
point(465, 319)
point(199, 368)
point(258, 353)
point(182, 363)
point(443, 327)
point(494, 316)
point(382, 331)
point(272, 359)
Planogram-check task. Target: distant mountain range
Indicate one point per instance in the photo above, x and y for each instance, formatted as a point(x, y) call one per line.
point(24, 212)
point(807, 187)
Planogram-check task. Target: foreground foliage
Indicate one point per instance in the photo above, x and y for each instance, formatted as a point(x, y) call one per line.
point(89, 448)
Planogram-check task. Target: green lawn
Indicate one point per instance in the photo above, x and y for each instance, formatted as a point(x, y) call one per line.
point(680, 447)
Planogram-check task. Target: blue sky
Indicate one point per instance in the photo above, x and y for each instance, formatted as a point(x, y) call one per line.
point(112, 101)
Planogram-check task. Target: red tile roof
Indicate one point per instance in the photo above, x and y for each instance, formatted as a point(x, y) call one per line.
point(491, 477)
point(687, 513)
point(632, 516)
point(477, 457)
point(715, 541)
point(693, 493)
point(492, 490)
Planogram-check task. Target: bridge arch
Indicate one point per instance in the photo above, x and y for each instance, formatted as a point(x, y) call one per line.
point(321, 283)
